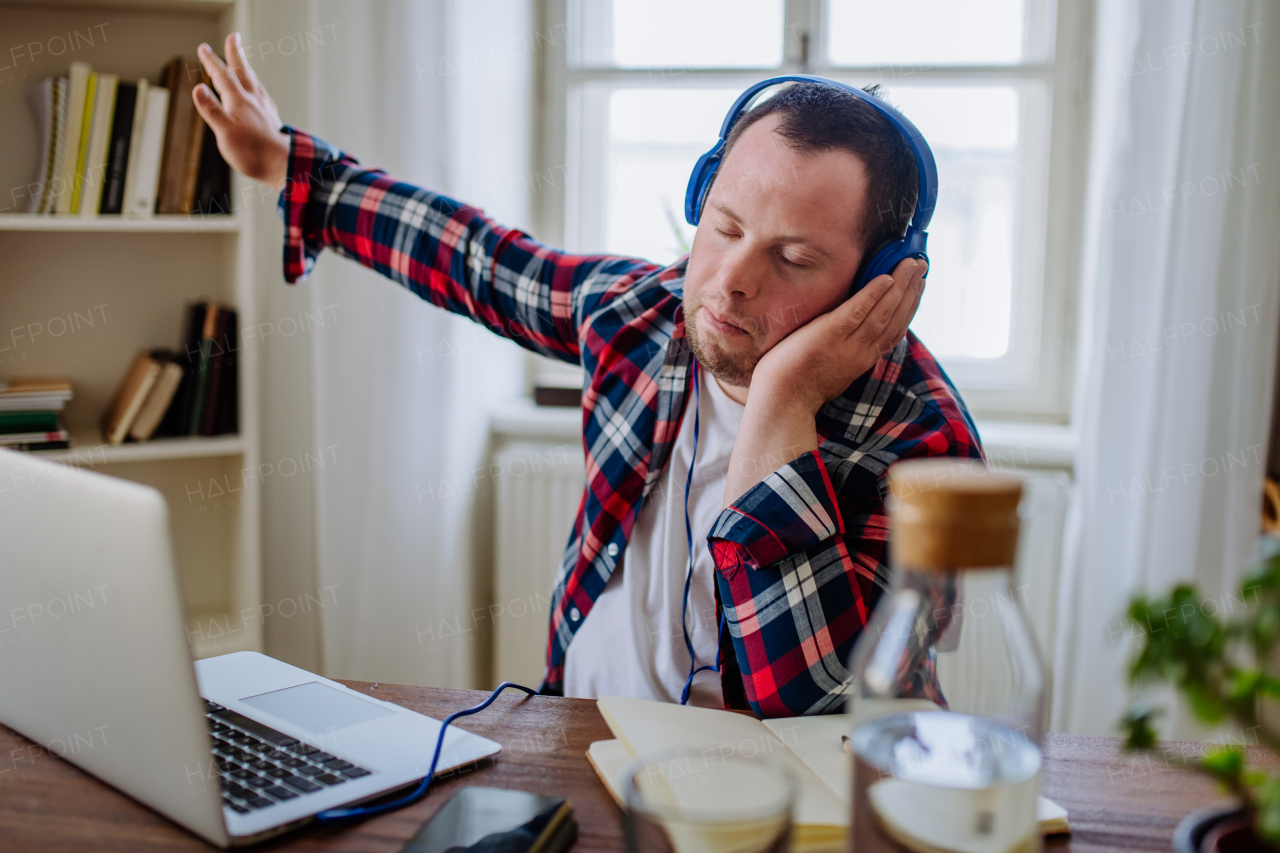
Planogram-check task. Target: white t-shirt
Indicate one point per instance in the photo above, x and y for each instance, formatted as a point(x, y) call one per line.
point(631, 643)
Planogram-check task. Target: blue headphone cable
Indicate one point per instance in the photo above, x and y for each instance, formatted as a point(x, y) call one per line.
point(421, 791)
point(694, 669)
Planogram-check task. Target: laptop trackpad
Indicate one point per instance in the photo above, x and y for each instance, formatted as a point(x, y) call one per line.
point(317, 707)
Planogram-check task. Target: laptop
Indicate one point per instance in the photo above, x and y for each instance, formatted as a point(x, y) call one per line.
point(96, 670)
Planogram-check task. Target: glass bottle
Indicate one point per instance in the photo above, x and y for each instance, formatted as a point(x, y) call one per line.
point(948, 699)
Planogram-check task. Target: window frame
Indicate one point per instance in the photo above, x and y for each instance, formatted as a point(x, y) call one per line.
point(1043, 393)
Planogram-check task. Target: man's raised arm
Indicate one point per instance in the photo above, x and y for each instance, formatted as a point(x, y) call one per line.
point(445, 251)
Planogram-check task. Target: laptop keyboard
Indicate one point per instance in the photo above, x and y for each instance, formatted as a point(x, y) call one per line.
point(259, 766)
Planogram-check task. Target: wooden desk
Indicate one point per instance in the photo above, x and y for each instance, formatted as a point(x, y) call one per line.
point(1116, 800)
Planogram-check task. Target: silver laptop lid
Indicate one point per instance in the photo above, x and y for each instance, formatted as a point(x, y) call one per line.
point(93, 653)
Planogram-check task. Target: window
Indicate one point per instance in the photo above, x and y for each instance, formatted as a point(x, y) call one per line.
point(995, 86)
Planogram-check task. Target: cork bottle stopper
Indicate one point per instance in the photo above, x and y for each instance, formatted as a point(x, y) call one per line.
point(948, 514)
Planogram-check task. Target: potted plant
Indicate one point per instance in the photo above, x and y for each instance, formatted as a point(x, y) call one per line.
point(1220, 655)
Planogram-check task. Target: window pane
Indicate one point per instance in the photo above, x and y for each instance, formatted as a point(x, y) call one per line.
point(967, 305)
point(680, 33)
point(649, 164)
point(937, 32)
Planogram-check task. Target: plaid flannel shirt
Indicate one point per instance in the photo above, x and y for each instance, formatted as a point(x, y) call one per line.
point(801, 558)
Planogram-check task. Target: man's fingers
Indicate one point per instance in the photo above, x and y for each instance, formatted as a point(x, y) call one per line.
point(889, 324)
point(905, 312)
point(209, 108)
point(223, 80)
point(239, 65)
point(868, 324)
point(851, 313)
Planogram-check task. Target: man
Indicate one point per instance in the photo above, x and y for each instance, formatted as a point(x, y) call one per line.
point(804, 394)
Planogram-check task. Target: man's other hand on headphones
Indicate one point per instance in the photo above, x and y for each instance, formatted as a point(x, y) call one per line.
point(816, 362)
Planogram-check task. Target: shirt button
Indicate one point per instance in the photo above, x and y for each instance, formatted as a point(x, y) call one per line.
point(575, 614)
point(612, 550)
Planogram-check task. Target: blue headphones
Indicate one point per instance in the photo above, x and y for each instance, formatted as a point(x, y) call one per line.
point(887, 257)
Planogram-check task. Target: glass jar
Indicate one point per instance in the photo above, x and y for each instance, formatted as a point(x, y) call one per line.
point(948, 699)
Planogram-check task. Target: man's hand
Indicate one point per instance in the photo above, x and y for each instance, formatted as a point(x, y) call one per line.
point(812, 366)
point(245, 121)
point(816, 362)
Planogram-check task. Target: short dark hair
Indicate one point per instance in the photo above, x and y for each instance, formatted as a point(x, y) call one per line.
point(818, 117)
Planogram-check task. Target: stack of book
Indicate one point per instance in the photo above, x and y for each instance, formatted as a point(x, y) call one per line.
point(108, 146)
point(29, 410)
point(193, 392)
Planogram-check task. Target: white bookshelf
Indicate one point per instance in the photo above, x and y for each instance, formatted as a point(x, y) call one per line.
point(88, 449)
point(166, 224)
point(114, 286)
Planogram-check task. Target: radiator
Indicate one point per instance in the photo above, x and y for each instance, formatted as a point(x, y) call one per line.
point(539, 485)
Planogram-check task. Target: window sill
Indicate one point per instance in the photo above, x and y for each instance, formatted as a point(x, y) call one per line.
point(1018, 444)
point(1009, 444)
point(519, 418)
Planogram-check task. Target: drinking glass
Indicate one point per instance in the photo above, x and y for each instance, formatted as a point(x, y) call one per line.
point(690, 800)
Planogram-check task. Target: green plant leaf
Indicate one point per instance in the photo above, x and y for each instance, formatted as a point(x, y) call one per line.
point(1207, 707)
point(1253, 778)
point(1139, 733)
point(1266, 797)
point(1226, 764)
point(1243, 685)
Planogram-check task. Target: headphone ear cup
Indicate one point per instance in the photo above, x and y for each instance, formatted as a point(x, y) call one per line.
point(886, 260)
point(699, 182)
point(883, 262)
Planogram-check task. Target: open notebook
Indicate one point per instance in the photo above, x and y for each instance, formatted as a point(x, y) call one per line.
point(810, 746)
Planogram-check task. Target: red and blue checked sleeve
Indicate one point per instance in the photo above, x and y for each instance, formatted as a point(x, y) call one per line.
point(445, 251)
point(792, 509)
point(797, 577)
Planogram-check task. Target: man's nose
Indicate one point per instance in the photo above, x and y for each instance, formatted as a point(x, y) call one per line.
point(740, 273)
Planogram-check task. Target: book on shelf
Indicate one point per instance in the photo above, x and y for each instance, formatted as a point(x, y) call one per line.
point(32, 393)
point(99, 137)
point(143, 175)
point(213, 179)
point(48, 102)
point(227, 407)
point(8, 439)
point(159, 398)
point(203, 358)
point(78, 82)
point(133, 392)
point(180, 77)
point(119, 147)
point(25, 420)
point(217, 361)
point(82, 146)
point(211, 371)
point(177, 419)
point(29, 409)
point(191, 393)
point(40, 445)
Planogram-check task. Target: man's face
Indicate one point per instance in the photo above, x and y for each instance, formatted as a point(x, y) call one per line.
point(776, 246)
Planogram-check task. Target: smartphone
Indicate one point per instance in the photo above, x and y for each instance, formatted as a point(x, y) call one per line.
point(496, 820)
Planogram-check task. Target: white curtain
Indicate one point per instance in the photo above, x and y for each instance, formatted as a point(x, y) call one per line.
point(398, 392)
point(1178, 354)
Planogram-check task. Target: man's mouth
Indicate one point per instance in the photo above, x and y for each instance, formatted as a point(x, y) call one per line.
point(724, 327)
